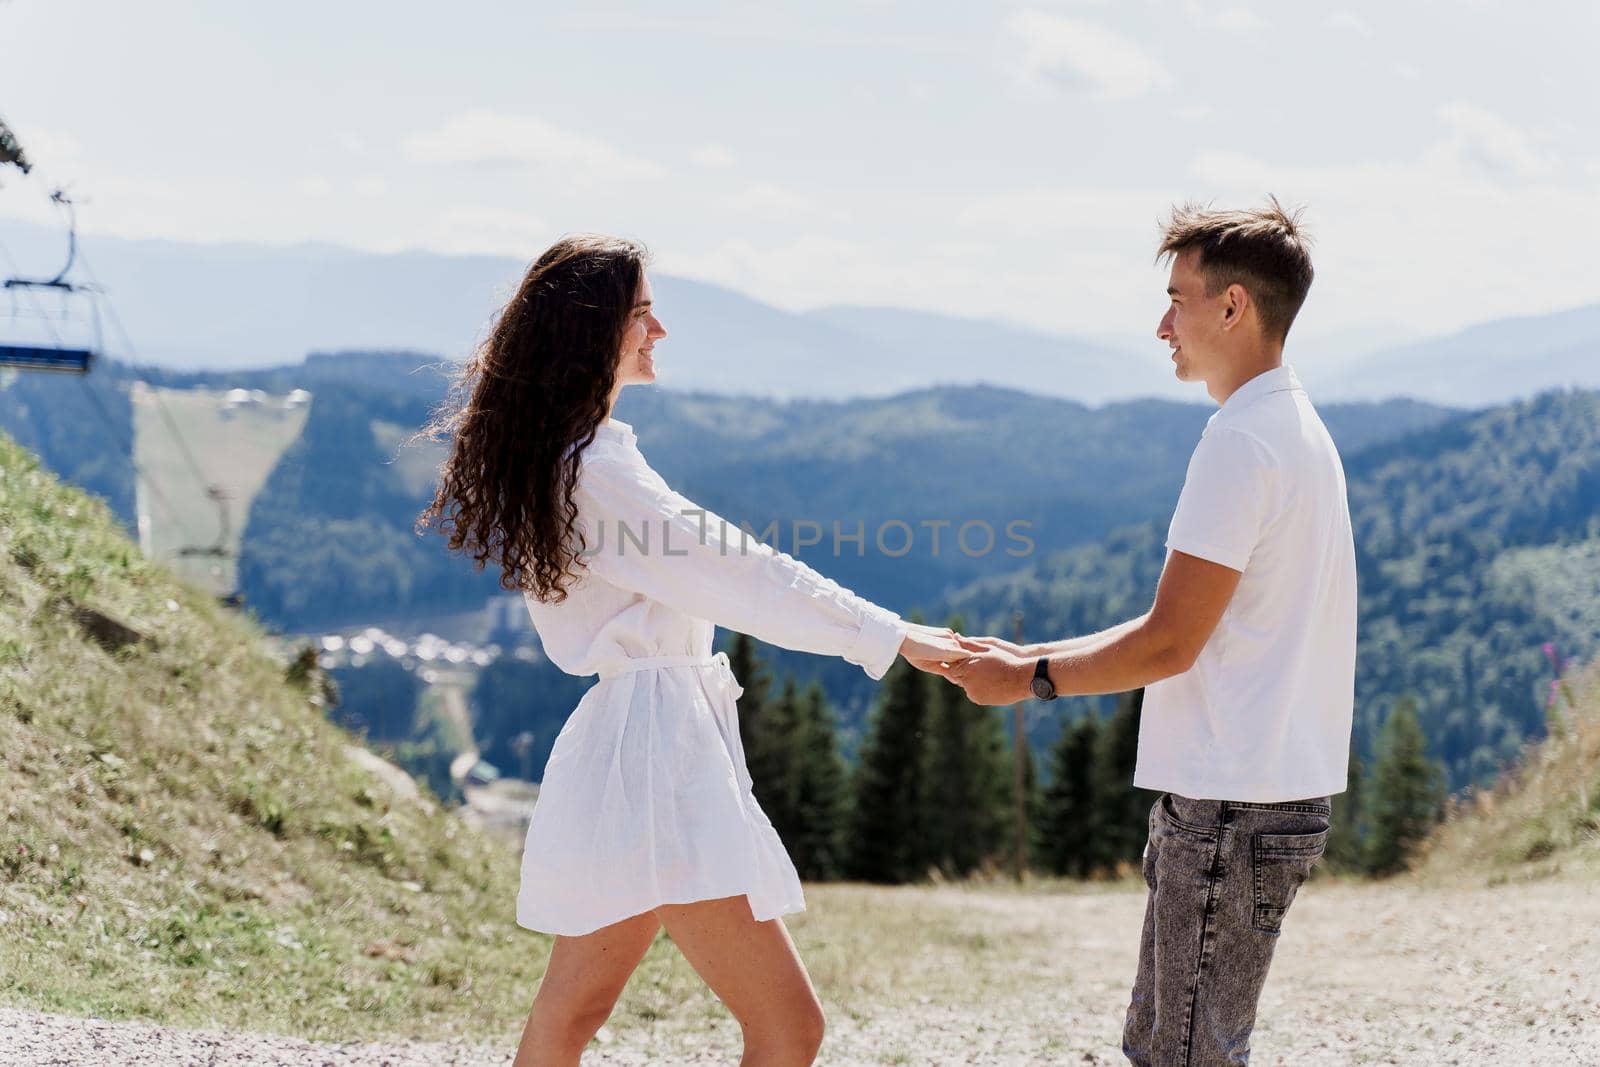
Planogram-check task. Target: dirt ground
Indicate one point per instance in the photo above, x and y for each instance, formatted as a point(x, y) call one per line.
point(1365, 974)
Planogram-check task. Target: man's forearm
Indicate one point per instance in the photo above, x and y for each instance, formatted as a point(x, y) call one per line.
point(1124, 657)
point(1087, 641)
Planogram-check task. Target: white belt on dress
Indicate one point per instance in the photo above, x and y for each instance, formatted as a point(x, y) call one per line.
point(729, 683)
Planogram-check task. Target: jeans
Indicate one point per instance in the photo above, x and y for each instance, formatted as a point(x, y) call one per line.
point(1222, 875)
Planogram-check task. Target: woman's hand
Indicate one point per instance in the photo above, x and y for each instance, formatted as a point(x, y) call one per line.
point(928, 648)
point(1023, 651)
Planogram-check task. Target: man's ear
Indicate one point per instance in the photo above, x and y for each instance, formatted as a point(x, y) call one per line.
point(1236, 299)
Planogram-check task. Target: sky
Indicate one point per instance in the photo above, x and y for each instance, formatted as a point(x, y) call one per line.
point(989, 160)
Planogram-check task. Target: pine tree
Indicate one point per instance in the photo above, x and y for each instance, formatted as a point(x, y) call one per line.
point(1072, 839)
point(887, 838)
point(1345, 839)
point(1406, 792)
point(1125, 811)
point(820, 788)
point(779, 736)
point(1033, 798)
point(970, 781)
point(752, 676)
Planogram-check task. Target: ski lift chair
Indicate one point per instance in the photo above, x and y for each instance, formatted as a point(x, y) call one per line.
point(30, 338)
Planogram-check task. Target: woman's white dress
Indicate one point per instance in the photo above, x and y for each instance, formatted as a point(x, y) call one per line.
point(646, 799)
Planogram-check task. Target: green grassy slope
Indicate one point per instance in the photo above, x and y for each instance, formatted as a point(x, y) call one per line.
point(1543, 816)
point(184, 837)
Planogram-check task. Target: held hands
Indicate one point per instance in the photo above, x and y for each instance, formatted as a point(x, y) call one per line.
point(992, 674)
point(992, 670)
point(932, 648)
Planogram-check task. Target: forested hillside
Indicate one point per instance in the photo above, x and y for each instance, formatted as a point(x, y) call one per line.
point(329, 541)
point(1477, 542)
point(330, 537)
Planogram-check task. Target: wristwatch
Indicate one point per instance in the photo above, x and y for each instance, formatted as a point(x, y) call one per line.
point(1042, 687)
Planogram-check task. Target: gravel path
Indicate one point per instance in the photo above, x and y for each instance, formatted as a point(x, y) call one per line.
point(1391, 974)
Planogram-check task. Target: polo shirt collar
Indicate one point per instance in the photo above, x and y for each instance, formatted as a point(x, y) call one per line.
point(1279, 379)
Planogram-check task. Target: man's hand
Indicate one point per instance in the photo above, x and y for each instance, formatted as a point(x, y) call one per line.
point(991, 676)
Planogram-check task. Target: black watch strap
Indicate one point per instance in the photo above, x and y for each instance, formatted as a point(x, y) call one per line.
point(1043, 688)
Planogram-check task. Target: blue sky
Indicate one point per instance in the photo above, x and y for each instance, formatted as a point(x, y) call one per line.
point(989, 160)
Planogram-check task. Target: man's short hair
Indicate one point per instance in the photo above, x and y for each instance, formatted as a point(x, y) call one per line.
point(1264, 250)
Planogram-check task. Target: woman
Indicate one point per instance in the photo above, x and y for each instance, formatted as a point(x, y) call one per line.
point(645, 817)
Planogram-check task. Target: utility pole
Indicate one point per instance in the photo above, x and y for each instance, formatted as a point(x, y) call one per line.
point(1019, 747)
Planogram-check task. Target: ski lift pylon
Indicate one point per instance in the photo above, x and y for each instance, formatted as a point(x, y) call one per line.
point(50, 352)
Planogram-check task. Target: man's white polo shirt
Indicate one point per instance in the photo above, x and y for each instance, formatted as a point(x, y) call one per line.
point(1264, 714)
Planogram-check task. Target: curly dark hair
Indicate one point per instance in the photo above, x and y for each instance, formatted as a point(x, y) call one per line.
point(524, 408)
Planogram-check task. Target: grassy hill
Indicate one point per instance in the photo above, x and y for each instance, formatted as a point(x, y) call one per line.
point(184, 837)
point(1541, 817)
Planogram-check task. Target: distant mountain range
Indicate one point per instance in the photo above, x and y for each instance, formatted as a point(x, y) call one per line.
point(217, 306)
point(1486, 364)
point(214, 307)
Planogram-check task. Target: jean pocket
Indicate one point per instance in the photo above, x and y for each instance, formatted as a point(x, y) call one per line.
point(1281, 863)
point(1167, 816)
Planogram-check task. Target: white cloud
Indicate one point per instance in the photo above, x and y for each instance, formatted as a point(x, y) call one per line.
point(1059, 212)
point(470, 229)
point(491, 138)
point(1428, 241)
point(55, 158)
point(1068, 53)
point(714, 156)
point(1345, 19)
point(780, 203)
point(1236, 19)
point(1484, 141)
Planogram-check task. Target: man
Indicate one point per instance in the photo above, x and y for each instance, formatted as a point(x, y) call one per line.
point(1247, 655)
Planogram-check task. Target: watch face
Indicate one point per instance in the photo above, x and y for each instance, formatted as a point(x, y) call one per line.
point(1043, 689)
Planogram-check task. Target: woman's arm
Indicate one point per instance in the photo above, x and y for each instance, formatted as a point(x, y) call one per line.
point(642, 536)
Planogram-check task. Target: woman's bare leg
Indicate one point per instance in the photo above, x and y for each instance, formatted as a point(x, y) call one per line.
point(580, 987)
point(754, 968)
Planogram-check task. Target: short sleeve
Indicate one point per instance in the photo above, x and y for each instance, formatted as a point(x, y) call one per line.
point(1226, 498)
point(641, 536)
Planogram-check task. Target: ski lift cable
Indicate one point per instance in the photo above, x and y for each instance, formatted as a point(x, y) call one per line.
point(149, 483)
point(127, 345)
point(215, 492)
point(13, 154)
point(107, 420)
